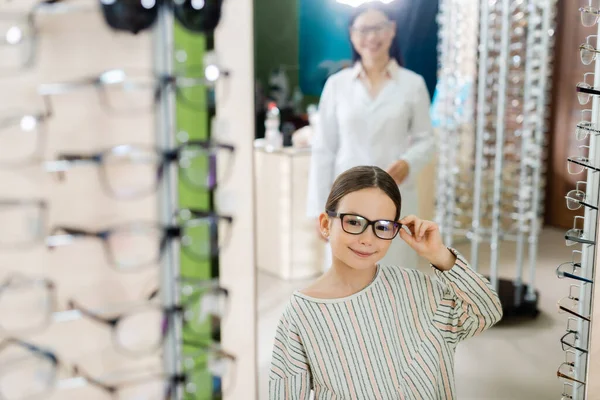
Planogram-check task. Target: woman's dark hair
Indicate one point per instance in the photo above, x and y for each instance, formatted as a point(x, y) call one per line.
point(395, 52)
point(363, 177)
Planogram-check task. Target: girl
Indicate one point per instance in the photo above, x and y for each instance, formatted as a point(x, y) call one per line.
point(376, 113)
point(368, 331)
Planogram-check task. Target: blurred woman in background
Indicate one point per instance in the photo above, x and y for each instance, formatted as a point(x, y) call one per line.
point(375, 113)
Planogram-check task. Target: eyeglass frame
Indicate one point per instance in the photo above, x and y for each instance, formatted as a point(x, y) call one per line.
point(169, 233)
point(42, 206)
point(160, 81)
point(64, 162)
point(168, 313)
point(341, 216)
point(582, 203)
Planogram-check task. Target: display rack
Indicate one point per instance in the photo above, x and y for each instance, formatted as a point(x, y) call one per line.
point(493, 105)
point(174, 125)
point(577, 342)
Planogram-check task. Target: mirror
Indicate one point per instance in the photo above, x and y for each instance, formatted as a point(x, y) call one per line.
point(473, 165)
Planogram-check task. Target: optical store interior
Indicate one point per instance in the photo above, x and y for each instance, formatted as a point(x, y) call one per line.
point(163, 166)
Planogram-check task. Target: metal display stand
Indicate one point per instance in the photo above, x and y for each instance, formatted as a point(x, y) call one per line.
point(168, 196)
point(493, 125)
point(578, 356)
point(167, 191)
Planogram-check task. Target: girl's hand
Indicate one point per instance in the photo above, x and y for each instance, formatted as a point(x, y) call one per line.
point(426, 240)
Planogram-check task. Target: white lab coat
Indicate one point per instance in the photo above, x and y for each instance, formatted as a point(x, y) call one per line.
point(355, 129)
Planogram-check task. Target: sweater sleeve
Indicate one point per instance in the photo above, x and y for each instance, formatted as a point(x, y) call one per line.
point(290, 377)
point(468, 306)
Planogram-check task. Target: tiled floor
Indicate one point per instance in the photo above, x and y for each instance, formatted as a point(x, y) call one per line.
point(516, 362)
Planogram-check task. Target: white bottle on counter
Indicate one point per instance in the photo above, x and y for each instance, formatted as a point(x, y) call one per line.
point(273, 137)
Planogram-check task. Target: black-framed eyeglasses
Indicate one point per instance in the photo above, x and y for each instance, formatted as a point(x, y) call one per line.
point(576, 235)
point(577, 198)
point(585, 91)
point(30, 374)
point(22, 137)
point(199, 16)
point(22, 222)
point(355, 225)
point(127, 92)
point(568, 269)
point(132, 171)
point(161, 386)
point(567, 304)
point(202, 235)
point(205, 299)
point(568, 340)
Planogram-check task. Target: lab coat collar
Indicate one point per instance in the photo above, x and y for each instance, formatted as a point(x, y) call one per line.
point(391, 70)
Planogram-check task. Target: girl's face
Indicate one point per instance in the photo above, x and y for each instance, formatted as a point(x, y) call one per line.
point(372, 34)
point(364, 250)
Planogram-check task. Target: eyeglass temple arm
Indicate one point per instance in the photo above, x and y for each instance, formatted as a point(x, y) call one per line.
point(588, 166)
point(78, 371)
point(579, 240)
point(72, 305)
point(565, 309)
point(57, 88)
point(62, 235)
point(576, 277)
point(561, 375)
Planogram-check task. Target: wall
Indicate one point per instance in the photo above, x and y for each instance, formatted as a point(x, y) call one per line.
point(276, 38)
point(324, 36)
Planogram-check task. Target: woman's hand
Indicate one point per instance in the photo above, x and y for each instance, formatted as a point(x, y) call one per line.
point(399, 171)
point(426, 240)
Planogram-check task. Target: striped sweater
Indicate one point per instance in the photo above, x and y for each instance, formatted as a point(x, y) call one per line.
point(395, 339)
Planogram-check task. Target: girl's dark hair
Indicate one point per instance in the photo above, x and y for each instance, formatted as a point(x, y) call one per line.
point(395, 52)
point(363, 177)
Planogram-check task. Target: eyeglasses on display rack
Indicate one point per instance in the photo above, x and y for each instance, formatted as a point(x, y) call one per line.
point(199, 16)
point(134, 171)
point(568, 340)
point(205, 299)
point(576, 235)
point(22, 222)
point(19, 33)
point(202, 235)
point(160, 386)
point(22, 137)
point(35, 373)
point(588, 52)
point(128, 92)
point(30, 372)
point(566, 370)
point(21, 313)
point(586, 90)
point(569, 269)
point(585, 127)
point(589, 15)
point(567, 304)
point(580, 163)
point(26, 304)
point(577, 198)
